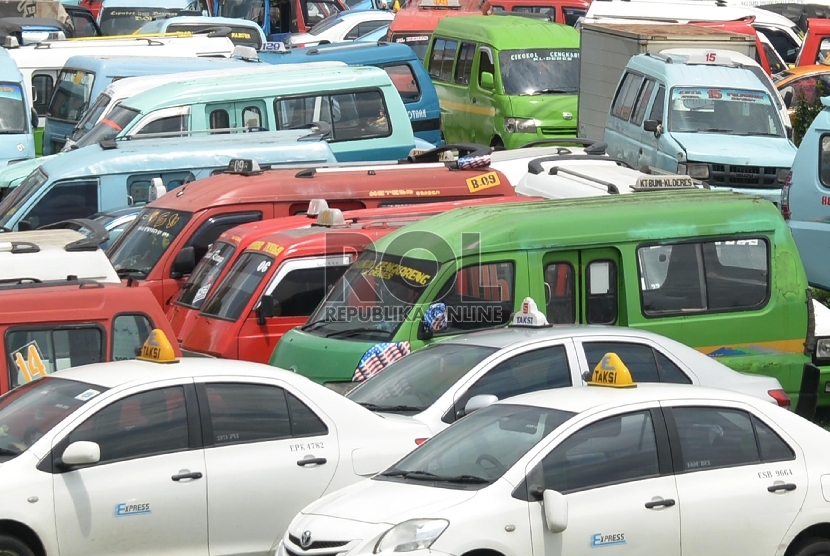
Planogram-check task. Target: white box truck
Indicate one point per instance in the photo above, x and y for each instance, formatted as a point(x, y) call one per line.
point(606, 48)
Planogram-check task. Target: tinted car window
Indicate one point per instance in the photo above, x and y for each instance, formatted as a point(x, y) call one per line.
point(712, 437)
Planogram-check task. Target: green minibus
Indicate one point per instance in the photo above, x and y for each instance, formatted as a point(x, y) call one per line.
point(717, 271)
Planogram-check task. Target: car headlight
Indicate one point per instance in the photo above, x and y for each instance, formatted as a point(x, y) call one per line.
point(693, 170)
point(415, 534)
point(781, 177)
point(520, 125)
point(822, 349)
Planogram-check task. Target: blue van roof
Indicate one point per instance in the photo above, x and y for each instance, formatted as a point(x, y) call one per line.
point(680, 73)
point(353, 53)
point(8, 68)
point(183, 153)
point(133, 66)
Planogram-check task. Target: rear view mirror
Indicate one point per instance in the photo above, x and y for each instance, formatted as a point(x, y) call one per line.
point(81, 453)
point(556, 511)
point(24, 226)
point(487, 81)
point(268, 307)
point(185, 263)
point(654, 127)
point(479, 402)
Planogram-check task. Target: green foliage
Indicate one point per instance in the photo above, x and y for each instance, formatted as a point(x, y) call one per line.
point(806, 111)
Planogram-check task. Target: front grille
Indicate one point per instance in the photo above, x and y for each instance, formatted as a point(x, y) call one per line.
point(743, 176)
point(317, 544)
point(559, 131)
point(294, 553)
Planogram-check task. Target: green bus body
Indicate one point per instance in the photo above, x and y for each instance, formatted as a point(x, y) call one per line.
point(751, 314)
point(534, 68)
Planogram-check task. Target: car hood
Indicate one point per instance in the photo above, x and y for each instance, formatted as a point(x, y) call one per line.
point(382, 501)
point(737, 149)
point(548, 110)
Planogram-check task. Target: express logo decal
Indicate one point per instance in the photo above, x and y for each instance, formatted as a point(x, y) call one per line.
point(607, 540)
point(124, 510)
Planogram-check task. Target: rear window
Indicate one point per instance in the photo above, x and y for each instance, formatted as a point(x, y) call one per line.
point(352, 116)
point(405, 82)
point(35, 353)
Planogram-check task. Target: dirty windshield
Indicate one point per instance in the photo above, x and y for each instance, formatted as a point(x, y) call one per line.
point(109, 127)
point(727, 111)
point(13, 114)
point(540, 71)
point(205, 275)
point(141, 246)
point(71, 97)
point(31, 410)
point(373, 298)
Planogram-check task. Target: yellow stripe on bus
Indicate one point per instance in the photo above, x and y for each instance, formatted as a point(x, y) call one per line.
point(464, 107)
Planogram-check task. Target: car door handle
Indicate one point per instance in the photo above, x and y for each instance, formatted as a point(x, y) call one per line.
point(474, 100)
point(657, 503)
point(781, 486)
point(189, 475)
point(311, 461)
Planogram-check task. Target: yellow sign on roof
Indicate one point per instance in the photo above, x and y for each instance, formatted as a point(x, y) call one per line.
point(611, 371)
point(158, 349)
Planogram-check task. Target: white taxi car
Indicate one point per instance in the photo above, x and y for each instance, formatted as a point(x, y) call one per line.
point(442, 382)
point(197, 456)
point(644, 469)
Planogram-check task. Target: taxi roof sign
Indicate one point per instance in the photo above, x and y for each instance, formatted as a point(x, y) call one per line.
point(331, 218)
point(611, 371)
point(645, 183)
point(530, 315)
point(157, 349)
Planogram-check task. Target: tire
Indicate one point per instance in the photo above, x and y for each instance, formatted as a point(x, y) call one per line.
point(11, 546)
point(497, 144)
point(810, 547)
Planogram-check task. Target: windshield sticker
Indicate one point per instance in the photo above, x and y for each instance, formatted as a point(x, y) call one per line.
point(386, 271)
point(484, 181)
point(201, 293)
point(30, 367)
point(11, 91)
point(735, 95)
point(378, 357)
point(267, 247)
point(263, 266)
point(417, 38)
point(87, 395)
point(549, 56)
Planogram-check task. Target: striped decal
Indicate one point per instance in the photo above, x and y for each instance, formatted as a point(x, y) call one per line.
point(754, 348)
point(464, 107)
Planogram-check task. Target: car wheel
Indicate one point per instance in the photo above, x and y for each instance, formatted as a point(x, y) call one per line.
point(497, 144)
point(10, 546)
point(813, 547)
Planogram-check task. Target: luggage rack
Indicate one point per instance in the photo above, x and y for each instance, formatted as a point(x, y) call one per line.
point(31, 282)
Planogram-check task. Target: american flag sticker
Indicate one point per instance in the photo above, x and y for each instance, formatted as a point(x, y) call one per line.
point(378, 357)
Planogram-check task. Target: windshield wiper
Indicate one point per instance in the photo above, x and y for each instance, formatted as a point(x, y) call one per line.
point(757, 134)
point(123, 271)
point(314, 323)
point(427, 476)
point(392, 408)
point(351, 331)
point(714, 130)
point(549, 91)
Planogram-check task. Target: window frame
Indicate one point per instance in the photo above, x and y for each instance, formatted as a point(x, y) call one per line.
point(574, 283)
point(407, 65)
point(287, 266)
point(701, 241)
point(615, 285)
point(622, 91)
point(45, 107)
point(822, 137)
point(112, 327)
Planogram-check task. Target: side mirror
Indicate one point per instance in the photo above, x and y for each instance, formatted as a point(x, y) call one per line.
point(479, 402)
point(788, 98)
point(268, 308)
point(157, 189)
point(184, 263)
point(487, 81)
point(35, 118)
point(81, 453)
point(34, 95)
point(24, 226)
point(653, 126)
point(789, 131)
point(556, 511)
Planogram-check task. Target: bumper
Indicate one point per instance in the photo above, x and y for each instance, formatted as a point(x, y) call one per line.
point(362, 550)
point(771, 195)
point(516, 140)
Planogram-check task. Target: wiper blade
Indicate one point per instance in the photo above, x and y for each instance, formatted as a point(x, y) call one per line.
point(124, 271)
point(423, 475)
point(757, 134)
point(549, 91)
point(314, 323)
point(715, 130)
point(351, 331)
point(427, 476)
point(469, 479)
point(392, 408)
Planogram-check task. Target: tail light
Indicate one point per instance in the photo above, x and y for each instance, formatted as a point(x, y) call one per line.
point(780, 397)
point(419, 441)
point(785, 196)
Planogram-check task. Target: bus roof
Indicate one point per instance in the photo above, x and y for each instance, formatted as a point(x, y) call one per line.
point(679, 72)
point(126, 66)
point(506, 32)
point(584, 222)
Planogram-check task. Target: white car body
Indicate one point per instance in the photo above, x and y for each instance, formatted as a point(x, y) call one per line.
point(557, 356)
point(345, 26)
point(233, 489)
point(712, 500)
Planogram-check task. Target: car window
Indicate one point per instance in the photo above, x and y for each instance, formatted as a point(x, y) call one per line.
point(669, 372)
point(171, 125)
point(129, 332)
point(478, 296)
point(405, 82)
point(465, 63)
point(304, 422)
point(642, 102)
point(618, 449)
point(35, 353)
point(443, 57)
point(624, 100)
point(640, 359)
point(141, 425)
point(601, 295)
point(560, 294)
point(713, 437)
point(539, 369)
point(657, 108)
point(300, 291)
point(64, 201)
point(42, 85)
point(772, 447)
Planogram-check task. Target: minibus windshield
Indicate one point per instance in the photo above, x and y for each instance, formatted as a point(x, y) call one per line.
point(205, 274)
point(17, 198)
point(109, 127)
point(91, 116)
point(373, 298)
point(540, 71)
point(235, 291)
point(71, 97)
point(141, 246)
point(12, 112)
point(126, 21)
point(727, 111)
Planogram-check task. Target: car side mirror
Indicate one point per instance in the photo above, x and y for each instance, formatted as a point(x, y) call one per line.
point(81, 453)
point(35, 118)
point(788, 98)
point(556, 511)
point(434, 320)
point(24, 226)
point(654, 127)
point(479, 402)
point(789, 131)
point(184, 263)
point(268, 307)
point(487, 81)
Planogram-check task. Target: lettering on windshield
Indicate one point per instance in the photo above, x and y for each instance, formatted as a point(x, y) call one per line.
point(267, 247)
point(549, 56)
point(386, 271)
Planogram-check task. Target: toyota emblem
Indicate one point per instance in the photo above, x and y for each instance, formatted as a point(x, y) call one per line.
point(305, 539)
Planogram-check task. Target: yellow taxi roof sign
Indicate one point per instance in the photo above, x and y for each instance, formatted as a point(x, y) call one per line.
point(158, 349)
point(611, 371)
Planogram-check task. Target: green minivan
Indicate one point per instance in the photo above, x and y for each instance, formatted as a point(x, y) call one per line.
point(717, 271)
point(505, 80)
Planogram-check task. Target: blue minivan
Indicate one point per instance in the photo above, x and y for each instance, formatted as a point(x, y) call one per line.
point(398, 60)
point(84, 77)
point(80, 183)
point(705, 114)
point(17, 122)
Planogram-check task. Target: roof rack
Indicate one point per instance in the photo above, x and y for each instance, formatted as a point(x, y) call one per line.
point(531, 15)
point(31, 282)
point(590, 146)
point(535, 165)
point(612, 188)
point(347, 46)
point(95, 232)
